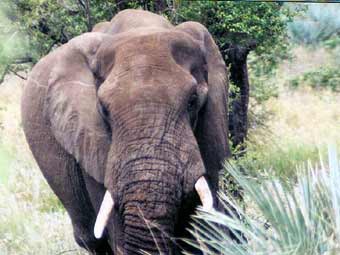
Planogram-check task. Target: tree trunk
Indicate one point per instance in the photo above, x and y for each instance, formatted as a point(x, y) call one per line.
point(238, 113)
point(122, 4)
point(157, 6)
point(85, 4)
point(160, 6)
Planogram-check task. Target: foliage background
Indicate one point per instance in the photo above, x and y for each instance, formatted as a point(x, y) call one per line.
point(46, 24)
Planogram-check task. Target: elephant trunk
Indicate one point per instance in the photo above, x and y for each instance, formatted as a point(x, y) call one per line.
point(149, 203)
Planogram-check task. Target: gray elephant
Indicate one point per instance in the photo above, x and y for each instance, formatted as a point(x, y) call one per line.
point(128, 124)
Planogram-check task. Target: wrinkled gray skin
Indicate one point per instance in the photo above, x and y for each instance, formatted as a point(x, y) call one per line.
point(137, 107)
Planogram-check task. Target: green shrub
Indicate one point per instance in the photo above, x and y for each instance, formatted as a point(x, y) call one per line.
point(324, 77)
point(263, 23)
point(303, 218)
point(332, 42)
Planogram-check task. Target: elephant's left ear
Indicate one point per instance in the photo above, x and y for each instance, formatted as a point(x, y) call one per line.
point(212, 127)
point(71, 103)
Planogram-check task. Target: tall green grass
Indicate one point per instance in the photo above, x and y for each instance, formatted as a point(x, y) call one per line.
point(301, 219)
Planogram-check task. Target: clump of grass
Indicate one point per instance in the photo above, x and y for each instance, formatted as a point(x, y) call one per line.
point(303, 218)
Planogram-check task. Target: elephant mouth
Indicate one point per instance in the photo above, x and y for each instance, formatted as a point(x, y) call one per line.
point(107, 205)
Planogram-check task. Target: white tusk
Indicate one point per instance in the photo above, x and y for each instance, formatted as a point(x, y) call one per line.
point(204, 193)
point(103, 215)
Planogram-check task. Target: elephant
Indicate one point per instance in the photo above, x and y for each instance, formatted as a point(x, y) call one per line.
point(129, 125)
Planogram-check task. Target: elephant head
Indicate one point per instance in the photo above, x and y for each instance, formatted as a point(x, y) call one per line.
point(144, 112)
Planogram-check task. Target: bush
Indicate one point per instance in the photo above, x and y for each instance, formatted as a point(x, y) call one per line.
point(263, 23)
point(302, 218)
point(324, 77)
point(332, 42)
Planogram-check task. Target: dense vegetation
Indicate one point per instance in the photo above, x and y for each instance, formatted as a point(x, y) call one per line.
point(48, 23)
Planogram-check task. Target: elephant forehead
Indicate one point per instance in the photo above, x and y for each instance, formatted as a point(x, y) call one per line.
point(144, 85)
point(153, 68)
point(166, 46)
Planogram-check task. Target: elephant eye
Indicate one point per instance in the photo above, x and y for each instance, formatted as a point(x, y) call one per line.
point(105, 115)
point(192, 109)
point(205, 73)
point(102, 111)
point(193, 102)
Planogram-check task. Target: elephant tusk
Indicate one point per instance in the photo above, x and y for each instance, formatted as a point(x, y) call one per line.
point(204, 193)
point(103, 215)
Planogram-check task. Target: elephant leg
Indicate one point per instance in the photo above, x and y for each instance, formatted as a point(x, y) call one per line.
point(65, 177)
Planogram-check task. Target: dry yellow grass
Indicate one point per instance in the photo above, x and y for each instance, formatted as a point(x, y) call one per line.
point(306, 116)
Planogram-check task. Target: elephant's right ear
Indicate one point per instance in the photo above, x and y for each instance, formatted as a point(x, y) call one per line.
point(71, 104)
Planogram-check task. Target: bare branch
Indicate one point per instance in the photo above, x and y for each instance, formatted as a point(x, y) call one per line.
point(3, 74)
point(17, 74)
point(70, 11)
point(88, 15)
point(121, 4)
point(85, 4)
point(8, 68)
point(67, 251)
point(81, 3)
point(23, 60)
